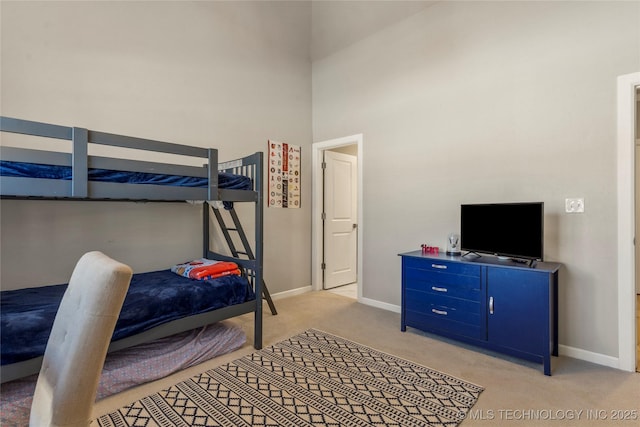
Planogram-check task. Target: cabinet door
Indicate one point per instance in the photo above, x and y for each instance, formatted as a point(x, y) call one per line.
point(518, 306)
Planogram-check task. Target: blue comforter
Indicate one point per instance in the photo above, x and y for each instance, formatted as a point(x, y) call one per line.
point(35, 170)
point(153, 299)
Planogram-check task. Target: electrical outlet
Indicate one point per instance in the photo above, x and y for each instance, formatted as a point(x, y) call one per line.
point(574, 205)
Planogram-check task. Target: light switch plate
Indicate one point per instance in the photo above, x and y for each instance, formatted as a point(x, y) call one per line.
point(575, 205)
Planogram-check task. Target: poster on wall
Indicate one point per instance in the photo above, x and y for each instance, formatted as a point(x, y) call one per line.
point(284, 175)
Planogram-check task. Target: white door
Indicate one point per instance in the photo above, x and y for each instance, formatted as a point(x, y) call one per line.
point(340, 214)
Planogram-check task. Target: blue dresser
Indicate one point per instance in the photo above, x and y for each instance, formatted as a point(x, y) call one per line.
point(501, 305)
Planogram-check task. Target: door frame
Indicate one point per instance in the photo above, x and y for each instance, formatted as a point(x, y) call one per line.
point(626, 100)
point(317, 150)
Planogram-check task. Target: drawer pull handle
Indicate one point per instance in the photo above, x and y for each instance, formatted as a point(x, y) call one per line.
point(440, 312)
point(490, 305)
point(440, 266)
point(437, 289)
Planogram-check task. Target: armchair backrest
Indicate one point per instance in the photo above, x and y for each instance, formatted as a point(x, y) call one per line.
point(66, 388)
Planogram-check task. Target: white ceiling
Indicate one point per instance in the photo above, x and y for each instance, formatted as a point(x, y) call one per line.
point(338, 24)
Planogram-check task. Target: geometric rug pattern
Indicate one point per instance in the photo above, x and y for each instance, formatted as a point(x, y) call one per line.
point(311, 379)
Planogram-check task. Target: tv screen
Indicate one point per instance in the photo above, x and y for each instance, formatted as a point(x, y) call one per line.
point(503, 229)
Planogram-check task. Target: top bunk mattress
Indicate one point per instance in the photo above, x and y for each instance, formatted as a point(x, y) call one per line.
point(155, 298)
point(35, 170)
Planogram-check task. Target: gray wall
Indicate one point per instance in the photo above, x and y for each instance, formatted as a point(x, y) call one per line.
point(490, 102)
point(222, 74)
point(462, 102)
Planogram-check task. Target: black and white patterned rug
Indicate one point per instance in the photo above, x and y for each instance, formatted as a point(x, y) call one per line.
point(311, 379)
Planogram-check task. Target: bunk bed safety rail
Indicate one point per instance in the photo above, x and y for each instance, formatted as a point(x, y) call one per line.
point(80, 162)
point(249, 166)
point(248, 264)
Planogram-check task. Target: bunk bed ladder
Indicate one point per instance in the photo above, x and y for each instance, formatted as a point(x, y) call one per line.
point(237, 227)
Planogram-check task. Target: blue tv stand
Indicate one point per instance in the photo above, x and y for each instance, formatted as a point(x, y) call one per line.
point(500, 305)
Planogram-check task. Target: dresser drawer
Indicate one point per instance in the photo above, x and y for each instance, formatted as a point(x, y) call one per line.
point(443, 307)
point(428, 323)
point(441, 266)
point(456, 285)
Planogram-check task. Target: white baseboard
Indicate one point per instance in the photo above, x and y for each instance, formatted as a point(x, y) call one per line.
point(379, 304)
point(564, 350)
point(291, 292)
point(589, 356)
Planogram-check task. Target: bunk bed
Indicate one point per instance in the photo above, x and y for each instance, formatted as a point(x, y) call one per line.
point(58, 175)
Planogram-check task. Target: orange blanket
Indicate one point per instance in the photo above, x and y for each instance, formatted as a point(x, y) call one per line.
point(202, 269)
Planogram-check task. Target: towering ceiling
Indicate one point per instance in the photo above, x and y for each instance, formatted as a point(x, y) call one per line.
point(338, 24)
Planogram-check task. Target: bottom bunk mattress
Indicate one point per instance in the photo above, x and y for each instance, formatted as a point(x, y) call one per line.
point(153, 298)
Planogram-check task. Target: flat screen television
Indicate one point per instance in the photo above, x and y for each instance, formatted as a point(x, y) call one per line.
point(513, 230)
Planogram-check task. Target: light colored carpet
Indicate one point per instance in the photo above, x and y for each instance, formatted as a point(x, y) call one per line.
point(511, 386)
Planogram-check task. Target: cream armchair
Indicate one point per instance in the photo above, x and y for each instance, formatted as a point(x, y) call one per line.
point(66, 388)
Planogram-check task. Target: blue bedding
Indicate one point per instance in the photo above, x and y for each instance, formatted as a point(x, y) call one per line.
point(153, 299)
point(35, 170)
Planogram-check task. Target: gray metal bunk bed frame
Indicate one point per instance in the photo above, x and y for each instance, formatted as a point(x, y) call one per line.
point(80, 188)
